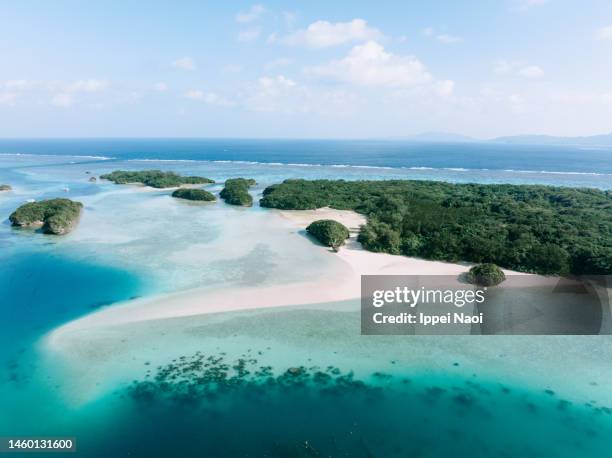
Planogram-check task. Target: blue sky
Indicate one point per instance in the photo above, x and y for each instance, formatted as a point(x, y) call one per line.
point(317, 69)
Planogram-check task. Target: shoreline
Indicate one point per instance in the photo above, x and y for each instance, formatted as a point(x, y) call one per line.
point(335, 286)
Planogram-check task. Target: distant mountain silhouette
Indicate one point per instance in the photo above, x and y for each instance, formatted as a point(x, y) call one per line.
point(595, 140)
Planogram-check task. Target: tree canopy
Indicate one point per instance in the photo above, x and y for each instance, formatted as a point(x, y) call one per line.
point(194, 194)
point(530, 228)
point(486, 275)
point(57, 216)
point(329, 232)
point(153, 178)
point(236, 191)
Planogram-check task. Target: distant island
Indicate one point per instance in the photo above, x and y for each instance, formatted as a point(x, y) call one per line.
point(153, 178)
point(236, 191)
point(529, 228)
point(603, 140)
point(56, 216)
point(5, 187)
point(194, 194)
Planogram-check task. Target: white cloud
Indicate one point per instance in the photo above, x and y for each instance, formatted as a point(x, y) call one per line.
point(249, 35)
point(276, 94)
point(184, 63)
point(524, 5)
point(504, 67)
point(244, 17)
point(324, 34)
point(444, 88)
point(63, 100)
point(19, 85)
point(232, 68)
point(210, 98)
point(604, 33)
point(90, 85)
point(290, 17)
point(280, 62)
point(370, 65)
point(160, 87)
point(445, 38)
point(448, 39)
point(531, 71)
point(7, 98)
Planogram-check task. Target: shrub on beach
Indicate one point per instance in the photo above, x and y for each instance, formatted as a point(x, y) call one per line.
point(486, 275)
point(236, 191)
point(194, 194)
point(329, 232)
point(153, 178)
point(57, 216)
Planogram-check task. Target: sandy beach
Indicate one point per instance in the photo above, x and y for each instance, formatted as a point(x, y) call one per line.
point(334, 285)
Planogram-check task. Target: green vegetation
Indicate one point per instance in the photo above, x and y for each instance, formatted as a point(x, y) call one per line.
point(530, 228)
point(329, 232)
point(153, 178)
point(486, 275)
point(57, 216)
point(5, 187)
point(236, 191)
point(194, 194)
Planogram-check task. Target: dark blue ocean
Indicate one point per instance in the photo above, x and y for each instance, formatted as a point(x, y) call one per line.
point(375, 153)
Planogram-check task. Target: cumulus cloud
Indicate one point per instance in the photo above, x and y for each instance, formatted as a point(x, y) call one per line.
point(370, 65)
point(276, 94)
point(249, 35)
point(209, 98)
point(531, 71)
point(524, 5)
point(504, 67)
point(254, 13)
point(448, 39)
point(604, 33)
point(184, 63)
point(19, 85)
point(445, 38)
point(160, 87)
point(7, 98)
point(324, 34)
point(63, 100)
point(90, 85)
point(444, 88)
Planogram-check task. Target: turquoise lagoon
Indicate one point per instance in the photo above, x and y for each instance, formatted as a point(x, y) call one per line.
point(294, 381)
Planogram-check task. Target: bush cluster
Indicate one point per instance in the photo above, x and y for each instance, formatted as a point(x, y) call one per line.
point(194, 194)
point(486, 275)
point(153, 178)
point(236, 191)
point(530, 228)
point(329, 232)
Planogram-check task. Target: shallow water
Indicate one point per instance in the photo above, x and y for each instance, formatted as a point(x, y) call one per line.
point(423, 395)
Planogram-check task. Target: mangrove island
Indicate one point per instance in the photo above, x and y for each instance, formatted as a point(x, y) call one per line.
point(194, 194)
point(236, 191)
point(153, 178)
point(529, 228)
point(56, 216)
